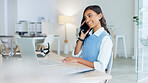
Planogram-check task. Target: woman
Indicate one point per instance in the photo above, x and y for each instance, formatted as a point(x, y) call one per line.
point(95, 44)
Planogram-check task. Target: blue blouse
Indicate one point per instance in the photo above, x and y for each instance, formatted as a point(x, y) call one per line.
point(91, 47)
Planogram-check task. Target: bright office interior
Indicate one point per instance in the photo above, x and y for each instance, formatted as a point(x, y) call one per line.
point(118, 13)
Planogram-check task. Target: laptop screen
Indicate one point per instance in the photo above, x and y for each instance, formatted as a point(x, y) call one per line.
point(28, 53)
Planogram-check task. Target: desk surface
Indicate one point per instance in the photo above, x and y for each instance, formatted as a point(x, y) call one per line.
point(93, 75)
point(78, 78)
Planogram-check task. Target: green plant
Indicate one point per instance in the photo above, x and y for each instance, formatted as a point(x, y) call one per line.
point(136, 19)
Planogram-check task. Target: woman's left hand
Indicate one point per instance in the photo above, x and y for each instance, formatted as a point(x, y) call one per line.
point(70, 59)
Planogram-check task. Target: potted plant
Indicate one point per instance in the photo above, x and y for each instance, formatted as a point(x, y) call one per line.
point(136, 19)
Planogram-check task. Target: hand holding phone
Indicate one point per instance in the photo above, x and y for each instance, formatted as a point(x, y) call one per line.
point(84, 27)
point(84, 30)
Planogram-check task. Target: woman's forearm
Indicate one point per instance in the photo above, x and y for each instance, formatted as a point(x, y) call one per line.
point(78, 47)
point(85, 62)
point(80, 43)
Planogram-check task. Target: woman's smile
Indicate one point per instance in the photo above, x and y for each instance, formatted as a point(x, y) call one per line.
point(89, 23)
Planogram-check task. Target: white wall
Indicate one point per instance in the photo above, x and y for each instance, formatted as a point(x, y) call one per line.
point(8, 16)
point(32, 9)
point(120, 14)
point(12, 16)
point(2, 16)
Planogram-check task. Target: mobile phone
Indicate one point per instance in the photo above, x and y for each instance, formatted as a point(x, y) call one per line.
point(84, 28)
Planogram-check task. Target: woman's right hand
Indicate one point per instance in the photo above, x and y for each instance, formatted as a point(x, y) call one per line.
point(82, 36)
point(71, 60)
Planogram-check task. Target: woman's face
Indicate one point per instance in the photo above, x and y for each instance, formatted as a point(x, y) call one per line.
point(92, 18)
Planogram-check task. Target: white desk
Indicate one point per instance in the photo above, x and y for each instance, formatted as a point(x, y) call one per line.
point(35, 38)
point(89, 76)
point(50, 75)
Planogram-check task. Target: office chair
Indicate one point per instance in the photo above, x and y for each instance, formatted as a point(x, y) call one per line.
point(15, 37)
point(110, 67)
point(48, 39)
point(1, 47)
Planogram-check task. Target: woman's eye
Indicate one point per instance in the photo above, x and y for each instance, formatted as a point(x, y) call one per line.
point(89, 15)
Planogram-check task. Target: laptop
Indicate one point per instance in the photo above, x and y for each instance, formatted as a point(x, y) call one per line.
point(29, 57)
point(28, 53)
